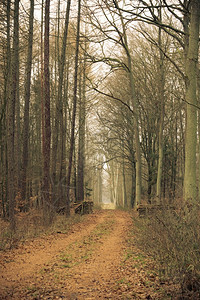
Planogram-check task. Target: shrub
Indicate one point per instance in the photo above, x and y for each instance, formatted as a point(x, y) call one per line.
point(172, 238)
point(31, 224)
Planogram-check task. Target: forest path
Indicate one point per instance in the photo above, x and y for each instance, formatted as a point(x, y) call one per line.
point(91, 262)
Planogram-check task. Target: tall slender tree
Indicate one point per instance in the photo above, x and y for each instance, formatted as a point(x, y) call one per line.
point(42, 73)
point(81, 144)
point(72, 137)
point(27, 85)
point(161, 83)
point(124, 41)
point(190, 185)
point(4, 105)
point(11, 115)
point(58, 128)
point(47, 123)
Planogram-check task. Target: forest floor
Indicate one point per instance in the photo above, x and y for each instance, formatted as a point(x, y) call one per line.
point(96, 259)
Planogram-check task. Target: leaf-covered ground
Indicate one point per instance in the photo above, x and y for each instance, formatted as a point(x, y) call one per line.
point(96, 259)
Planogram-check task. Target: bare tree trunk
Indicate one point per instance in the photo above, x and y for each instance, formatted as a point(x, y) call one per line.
point(136, 132)
point(63, 132)
point(59, 105)
point(161, 82)
point(25, 152)
point(7, 81)
point(11, 116)
point(17, 134)
point(135, 109)
point(198, 86)
point(124, 185)
point(72, 138)
point(47, 124)
point(190, 185)
point(42, 75)
point(99, 182)
point(81, 145)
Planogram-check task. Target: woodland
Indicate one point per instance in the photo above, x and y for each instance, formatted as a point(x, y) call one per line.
point(100, 101)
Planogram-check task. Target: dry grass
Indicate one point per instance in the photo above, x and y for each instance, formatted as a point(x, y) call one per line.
point(172, 238)
point(30, 225)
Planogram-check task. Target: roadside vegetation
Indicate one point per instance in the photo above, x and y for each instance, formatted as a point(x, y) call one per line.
point(172, 238)
point(30, 225)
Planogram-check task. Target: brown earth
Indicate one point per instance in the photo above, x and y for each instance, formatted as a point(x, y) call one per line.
point(95, 260)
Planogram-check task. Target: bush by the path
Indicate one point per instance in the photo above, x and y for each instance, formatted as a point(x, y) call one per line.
point(172, 238)
point(30, 225)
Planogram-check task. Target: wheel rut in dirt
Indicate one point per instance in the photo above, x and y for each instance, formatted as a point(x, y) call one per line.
point(80, 264)
point(91, 279)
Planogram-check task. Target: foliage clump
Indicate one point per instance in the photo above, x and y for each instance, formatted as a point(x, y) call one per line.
point(172, 238)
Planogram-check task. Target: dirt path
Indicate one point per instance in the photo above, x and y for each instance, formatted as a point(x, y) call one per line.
point(91, 262)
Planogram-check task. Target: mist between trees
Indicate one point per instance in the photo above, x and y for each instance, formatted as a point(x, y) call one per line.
point(99, 100)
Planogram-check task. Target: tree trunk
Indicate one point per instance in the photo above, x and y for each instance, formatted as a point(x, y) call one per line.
point(136, 132)
point(11, 116)
point(99, 184)
point(81, 145)
point(198, 86)
point(190, 187)
point(3, 120)
point(125, 202)
point(72, 138)
point(59, 107)
point(25, 152)
point(161, 82)
point(135, 116)
point(42, 76)
point(47, 124)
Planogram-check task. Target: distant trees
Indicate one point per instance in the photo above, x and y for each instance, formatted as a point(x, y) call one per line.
point(116, 33)
point(176, 21)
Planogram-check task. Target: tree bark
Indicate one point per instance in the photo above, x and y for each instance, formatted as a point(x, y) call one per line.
point(72, 137)
point(25, 152)
point(59, 106)
point(42, 75)
point(161, 83)
point(81, 144)
point(11, 116)
point(3, 120)
point(136, 133)
point(135, 109)
point(47, 124)
point(198, 87)
point(190, 185)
